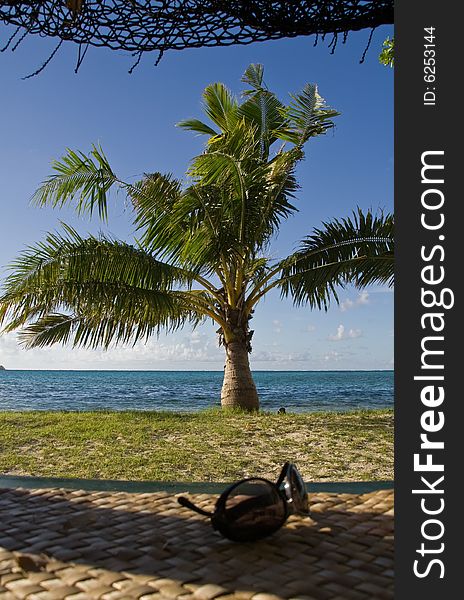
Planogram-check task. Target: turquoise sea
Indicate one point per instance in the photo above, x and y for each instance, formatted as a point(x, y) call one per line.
point(297, 391)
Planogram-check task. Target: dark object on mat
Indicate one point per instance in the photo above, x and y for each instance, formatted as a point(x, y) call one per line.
point(254, 508)
point(281, 410)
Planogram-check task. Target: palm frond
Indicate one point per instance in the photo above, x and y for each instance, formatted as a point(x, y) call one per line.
point(357, 250)
point(219, 168)
point(68, 256)
point(308, 116)
point(274, 200)
point(185, 227)
point(50, 329)
point(154, 198)
point(257, 269)
point(265, 111)
point(131, 316)
point(85, 180)
point(117, 314)
point(220, 105)
point(96, 279)
point(253, 77)
point(255, 190)
point(262, 108)
point(255, 194)
point(197, 126)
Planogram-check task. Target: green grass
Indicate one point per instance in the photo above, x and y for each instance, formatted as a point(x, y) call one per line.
point(206, 446)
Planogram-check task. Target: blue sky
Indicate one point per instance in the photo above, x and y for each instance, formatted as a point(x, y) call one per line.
point(133, 118)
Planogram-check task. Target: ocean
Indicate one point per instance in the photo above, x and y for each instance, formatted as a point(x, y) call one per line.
point(297, 391)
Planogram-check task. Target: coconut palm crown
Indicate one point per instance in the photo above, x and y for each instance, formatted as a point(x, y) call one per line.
point(202, 250)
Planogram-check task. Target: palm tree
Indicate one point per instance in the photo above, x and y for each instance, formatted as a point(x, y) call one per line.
point(202, 249)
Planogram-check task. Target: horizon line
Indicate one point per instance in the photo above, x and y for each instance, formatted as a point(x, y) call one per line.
point(200, 370)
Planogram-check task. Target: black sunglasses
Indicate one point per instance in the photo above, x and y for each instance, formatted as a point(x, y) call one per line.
point(254, 508)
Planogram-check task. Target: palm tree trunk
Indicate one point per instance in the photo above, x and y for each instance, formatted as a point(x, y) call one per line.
point(238, 388)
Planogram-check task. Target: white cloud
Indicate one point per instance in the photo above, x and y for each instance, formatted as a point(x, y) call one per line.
point(311, 328)
point(354, 333)
point(342, 334)
point(277, 326)
point(266, 356)
point(339, 335)
point(382, 290)
point(362, 299)
point(173, 351)
point(332, 356)
point(196, 337)
point(281, 357)
point(346, 305)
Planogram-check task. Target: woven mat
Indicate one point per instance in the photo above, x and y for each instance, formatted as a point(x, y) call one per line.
point(57, 544)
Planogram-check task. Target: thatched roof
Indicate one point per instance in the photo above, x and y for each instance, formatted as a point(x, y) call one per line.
point(161, 25)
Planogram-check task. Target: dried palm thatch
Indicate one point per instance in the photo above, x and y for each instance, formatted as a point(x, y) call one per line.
point(160, 25)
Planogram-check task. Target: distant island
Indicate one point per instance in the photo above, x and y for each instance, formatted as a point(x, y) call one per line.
point(2, 368)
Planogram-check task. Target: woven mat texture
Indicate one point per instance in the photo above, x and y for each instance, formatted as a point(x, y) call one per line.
point(57, 544)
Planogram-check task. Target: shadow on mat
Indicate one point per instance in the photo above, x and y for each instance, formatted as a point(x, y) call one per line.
point(151, 534)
